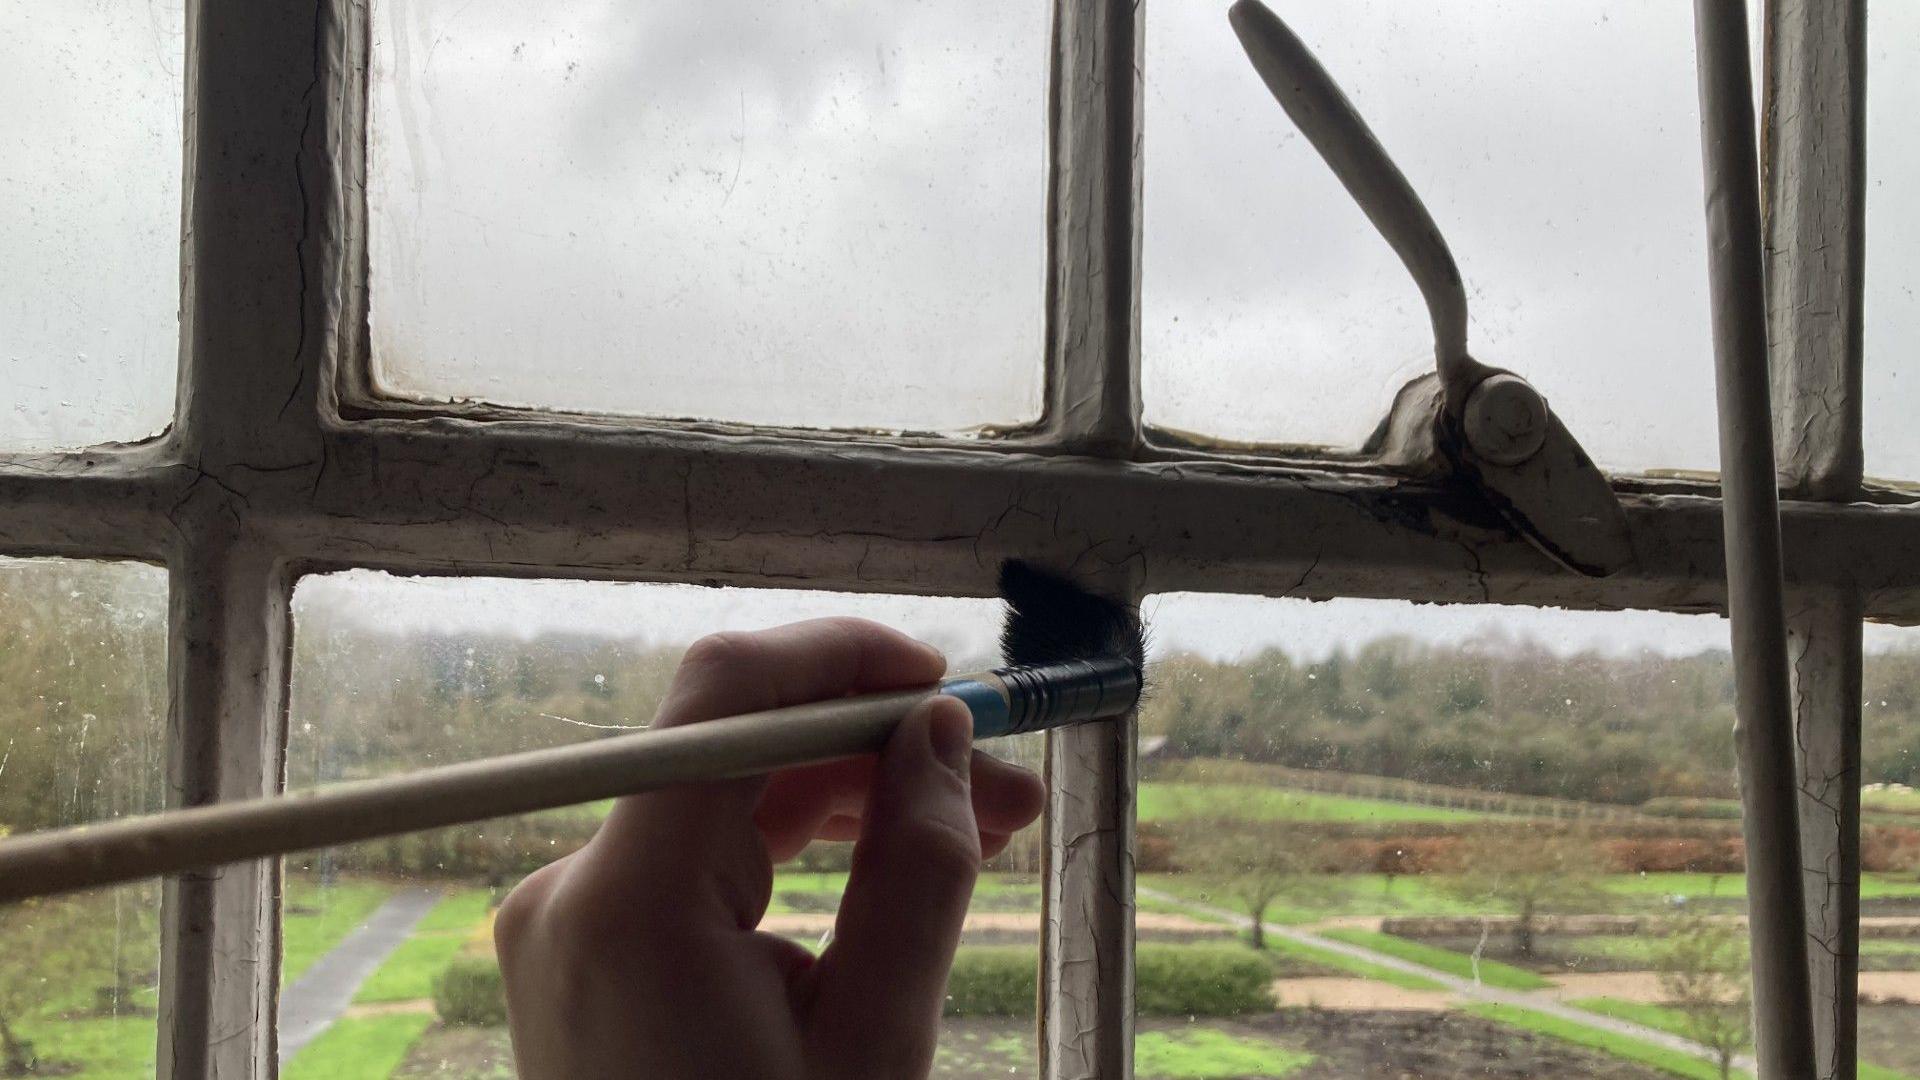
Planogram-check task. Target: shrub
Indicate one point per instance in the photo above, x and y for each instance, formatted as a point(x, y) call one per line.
point(1201, 980)
point(1172, 980)
point(470, 992)
point(993, 981)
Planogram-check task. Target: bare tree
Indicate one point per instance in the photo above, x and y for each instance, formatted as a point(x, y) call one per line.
point(1703, 972)
point(1531, 875)
point(1251, 861)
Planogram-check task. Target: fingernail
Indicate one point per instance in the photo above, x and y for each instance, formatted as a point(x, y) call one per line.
point(950, 732)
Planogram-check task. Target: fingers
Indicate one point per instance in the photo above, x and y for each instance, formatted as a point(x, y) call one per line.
point(878, 989)
point(694, 852)
point(825, 802)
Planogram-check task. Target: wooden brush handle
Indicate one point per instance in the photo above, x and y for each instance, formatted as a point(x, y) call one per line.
point(182, 840)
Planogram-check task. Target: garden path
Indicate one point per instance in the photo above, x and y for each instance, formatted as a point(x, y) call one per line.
point(319, 996)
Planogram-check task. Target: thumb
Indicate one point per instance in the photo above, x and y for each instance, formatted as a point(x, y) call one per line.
point(879, 987)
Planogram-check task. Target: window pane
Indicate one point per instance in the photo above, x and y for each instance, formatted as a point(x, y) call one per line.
point(1558, 148)
point(813, 214)
point(1540, 800)
point(1890, 846)
point(1892, 312)
point(393, 673)
point(89, 220)
point(82, 720)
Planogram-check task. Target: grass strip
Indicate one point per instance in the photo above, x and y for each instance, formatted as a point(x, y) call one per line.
point(315, 918)
point(1164, 801)
point(358, 1048)
point(108, 1048)
point(1673, 1022)
point(409, 972)
point(1459, 965)
point(1205, 1054)
point(1624, 1047)
point(1348, 965)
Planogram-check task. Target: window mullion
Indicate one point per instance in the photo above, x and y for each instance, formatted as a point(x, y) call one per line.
point(1093, 235)
point(1093, 407)
point(1814, 174)
point(261, 226)
point(227, 665)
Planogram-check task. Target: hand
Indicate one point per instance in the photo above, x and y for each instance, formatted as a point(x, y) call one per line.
point(637, 956)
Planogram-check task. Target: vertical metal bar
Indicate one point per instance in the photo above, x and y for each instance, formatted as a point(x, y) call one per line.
point(1824, 647)
point(1093, 236)
point(1814, 186)
point(1814, 182)
point(1763, 731)
point(1093, 407)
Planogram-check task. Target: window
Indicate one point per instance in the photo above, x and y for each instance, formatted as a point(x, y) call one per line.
point(933, 326)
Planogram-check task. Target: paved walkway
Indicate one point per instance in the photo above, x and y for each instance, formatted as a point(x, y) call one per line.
point(1540, 1001)
point(320, 995)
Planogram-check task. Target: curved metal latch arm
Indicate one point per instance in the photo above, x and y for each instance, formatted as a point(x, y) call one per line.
point(1484, 424)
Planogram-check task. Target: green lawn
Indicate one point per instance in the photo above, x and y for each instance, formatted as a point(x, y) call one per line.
point(1285, 948)
point(316, 918)
point(1323, 896)
point(1206, 1054)
point(1892, 800)
point(358, 1048)
point(1670, 1020)
point(1460, 965)
point(408, 974)
point(1659, 1057)
point(993, 892)
point(1701, 886)
point(109, 1048)
point(1163, 801)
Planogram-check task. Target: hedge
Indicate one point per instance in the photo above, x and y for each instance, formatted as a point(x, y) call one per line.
point(470, 992)
point(1170, 980)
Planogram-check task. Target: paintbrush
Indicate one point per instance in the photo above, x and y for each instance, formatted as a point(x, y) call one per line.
point(1072, 656)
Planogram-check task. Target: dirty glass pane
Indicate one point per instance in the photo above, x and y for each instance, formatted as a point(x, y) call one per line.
point(89, 220)
point(1558, 148)
point(1429, 806)
point(393, 673)
point(82, 723)
point(1892, 302)
point(813, 214)
point(1890, 844)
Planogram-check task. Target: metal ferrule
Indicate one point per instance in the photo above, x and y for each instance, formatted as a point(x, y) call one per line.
point(1034, 697)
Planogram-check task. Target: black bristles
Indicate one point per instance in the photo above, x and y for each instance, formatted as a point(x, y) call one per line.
point(1050, 618)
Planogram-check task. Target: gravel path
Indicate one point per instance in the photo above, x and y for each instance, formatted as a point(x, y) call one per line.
point(323, 992)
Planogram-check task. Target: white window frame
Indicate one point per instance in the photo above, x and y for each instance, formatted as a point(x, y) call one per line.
point(281, 461)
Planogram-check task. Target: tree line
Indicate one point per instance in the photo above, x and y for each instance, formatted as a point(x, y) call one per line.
point(82, 722)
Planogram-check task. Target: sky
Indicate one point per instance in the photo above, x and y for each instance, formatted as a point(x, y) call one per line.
point(1215, 626)
point(831, 213)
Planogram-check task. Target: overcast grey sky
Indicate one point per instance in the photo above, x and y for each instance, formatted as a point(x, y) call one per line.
point(831, 213)
point(1220, 627)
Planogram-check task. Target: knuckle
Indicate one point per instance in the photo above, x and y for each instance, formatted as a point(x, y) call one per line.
point(721, 652)
point(942, 849)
